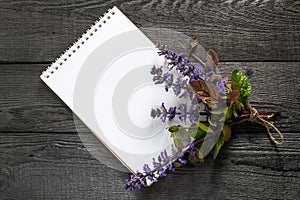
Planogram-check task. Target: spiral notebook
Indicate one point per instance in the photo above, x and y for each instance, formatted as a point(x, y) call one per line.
point(104, 78)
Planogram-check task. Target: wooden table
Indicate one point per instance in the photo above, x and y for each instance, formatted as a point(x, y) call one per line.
point(41, 155)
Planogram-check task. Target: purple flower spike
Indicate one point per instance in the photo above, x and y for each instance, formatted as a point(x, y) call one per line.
point(172, 113)
point(183, 113)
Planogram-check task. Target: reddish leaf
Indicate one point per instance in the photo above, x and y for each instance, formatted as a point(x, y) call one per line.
point(205, 91)
point(233, 96)
point(213, 56)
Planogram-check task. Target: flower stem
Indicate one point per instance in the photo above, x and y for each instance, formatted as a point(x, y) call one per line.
point(198, 141)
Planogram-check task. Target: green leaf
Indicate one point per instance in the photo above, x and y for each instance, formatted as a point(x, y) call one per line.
point(217, 111)
point(235, 114)
point(198, 158)
point(218, 146)
point(237, 107)
point(199, 155)
point(192, 132)
point(176, 142)
point(204, 127)
point(200, 134)
point(180, 136)
point(192, 159)
point(182, 44)
point(173, 129)
point(240, 82)
point(172, 135)
point(211, 122)
point(226, 132)
point(228, 113)
point(228, 87)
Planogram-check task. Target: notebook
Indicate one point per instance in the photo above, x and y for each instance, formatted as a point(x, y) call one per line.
point(104, 79)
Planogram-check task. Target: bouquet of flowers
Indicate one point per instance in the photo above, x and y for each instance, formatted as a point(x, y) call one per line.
point(210, 105)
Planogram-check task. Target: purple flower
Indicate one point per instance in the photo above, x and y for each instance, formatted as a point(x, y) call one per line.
point(198, 71)
point(192, 146)
point(177, 86)
point(192, 150)
point(138, 185)
point(146, 169)
point(207, 75)
point(182, 161)
point(135, 181)
point(152, 178)
point(193, 113)
point(155, 164)
point(172, 113)
point(186, 71)
point(193, 153)
point(179, 66)
point(176, 89)
point(221, 86)
point(161, 172)
point(192, 77)
point(168, 79)
point(170, 167)
point(139, 179)
point(181, 154)
point(183, 113)
point(186, 94)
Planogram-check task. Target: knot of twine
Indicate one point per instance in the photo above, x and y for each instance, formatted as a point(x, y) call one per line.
point(254, 117)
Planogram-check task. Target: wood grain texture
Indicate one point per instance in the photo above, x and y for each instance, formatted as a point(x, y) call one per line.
point(27, 104)
point(57, 166)
point(52, 162)
point(40, 30)
point(42, 155)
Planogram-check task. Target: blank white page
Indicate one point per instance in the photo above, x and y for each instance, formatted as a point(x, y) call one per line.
point(104, 78)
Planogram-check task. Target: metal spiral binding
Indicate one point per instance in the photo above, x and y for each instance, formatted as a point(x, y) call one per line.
point(76, 45)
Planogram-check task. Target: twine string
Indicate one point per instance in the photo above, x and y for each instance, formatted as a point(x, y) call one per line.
point(254, 117)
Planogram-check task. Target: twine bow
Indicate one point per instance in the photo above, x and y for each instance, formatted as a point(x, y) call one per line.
point(254, 117)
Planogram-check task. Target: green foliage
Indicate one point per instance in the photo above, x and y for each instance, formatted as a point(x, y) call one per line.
point(196, 133)
point(204, 127)
point(173, 129)
point(237, 108)
point(238, 92)
point(200, 134)
point(180, 135)
point(226, 132)
point(240, 82)
point(198, 157)
point(218, 146)
point(228, 112)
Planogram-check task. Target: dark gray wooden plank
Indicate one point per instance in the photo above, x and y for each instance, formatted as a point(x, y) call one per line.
point(27, 104)
point(57, 166)
point(39, 30)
